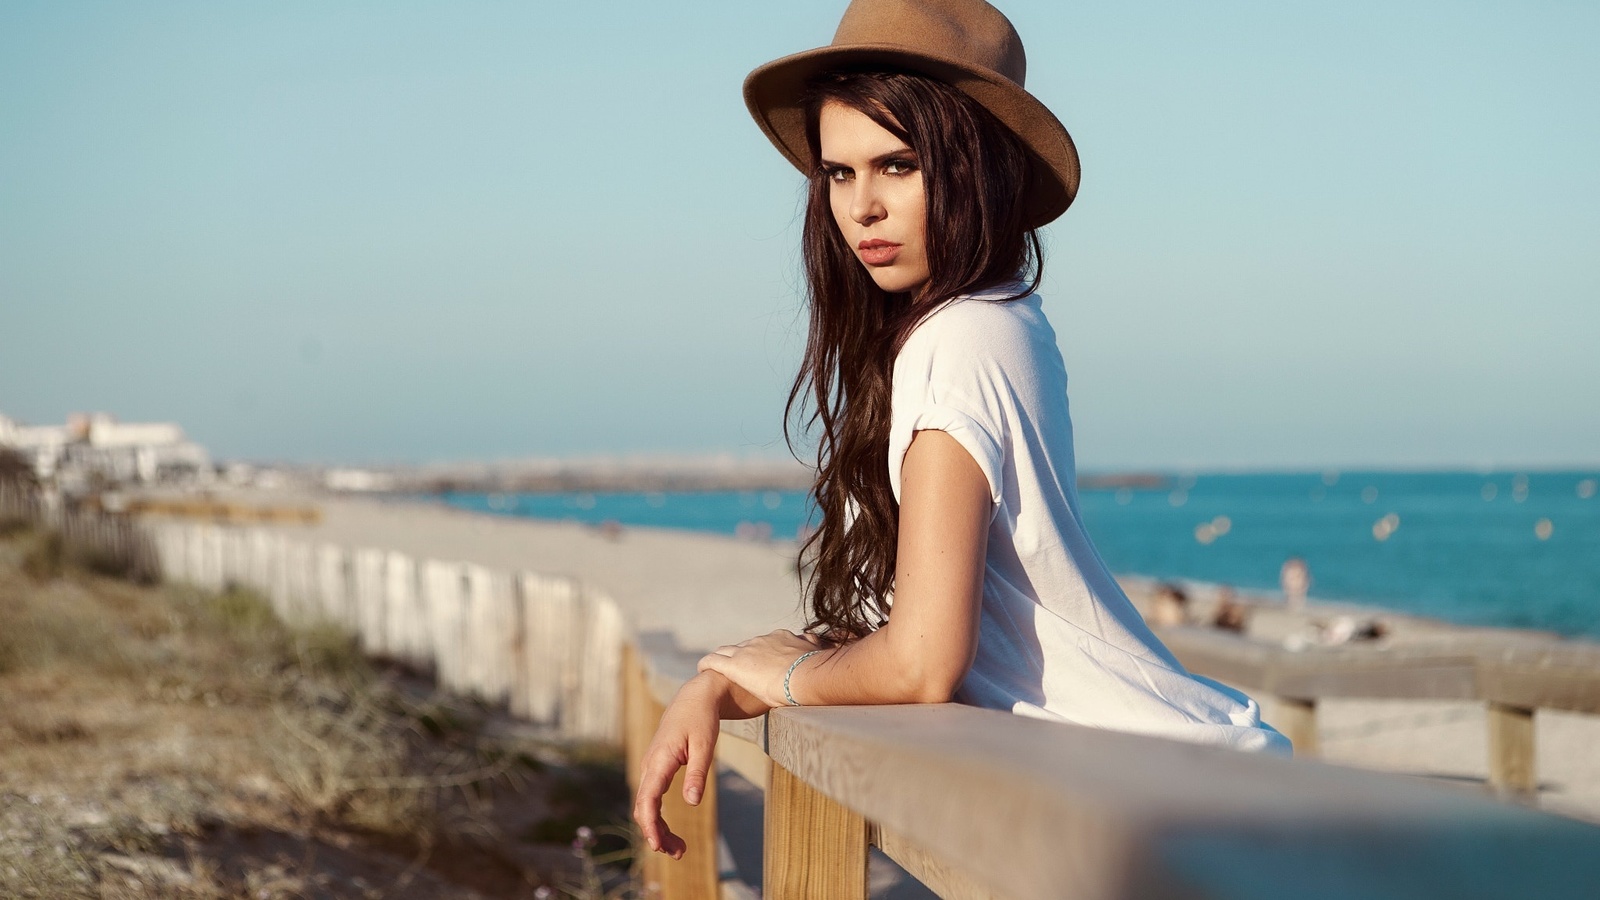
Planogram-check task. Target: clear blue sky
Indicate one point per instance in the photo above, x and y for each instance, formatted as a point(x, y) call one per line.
point(1309, 235)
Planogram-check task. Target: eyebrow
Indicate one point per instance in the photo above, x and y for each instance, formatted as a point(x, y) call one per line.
point(876, 160)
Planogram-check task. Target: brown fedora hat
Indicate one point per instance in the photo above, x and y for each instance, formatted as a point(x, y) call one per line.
point(967, 44)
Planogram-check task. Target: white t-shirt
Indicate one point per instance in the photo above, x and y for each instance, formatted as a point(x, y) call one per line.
point(1058, 637)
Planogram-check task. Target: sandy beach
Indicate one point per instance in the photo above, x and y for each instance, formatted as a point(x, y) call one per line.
point(708, 589)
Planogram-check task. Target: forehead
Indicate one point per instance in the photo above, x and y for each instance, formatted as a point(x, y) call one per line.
point(847, 134)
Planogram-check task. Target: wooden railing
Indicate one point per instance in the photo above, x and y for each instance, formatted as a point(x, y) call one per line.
point(1514, 678)
point(979, 803)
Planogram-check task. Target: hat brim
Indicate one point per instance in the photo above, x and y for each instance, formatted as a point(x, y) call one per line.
point(774, 92)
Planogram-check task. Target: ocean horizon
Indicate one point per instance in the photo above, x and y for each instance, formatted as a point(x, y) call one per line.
point(1513, 548)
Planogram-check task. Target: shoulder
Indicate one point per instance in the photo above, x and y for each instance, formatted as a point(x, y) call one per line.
point(975, 328)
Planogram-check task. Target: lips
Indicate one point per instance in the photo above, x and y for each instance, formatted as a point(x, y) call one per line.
point(878, 252)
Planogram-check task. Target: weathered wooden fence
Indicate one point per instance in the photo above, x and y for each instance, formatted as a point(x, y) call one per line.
point(547, 647)
point(90, 537)
point(19, 504)
point(978, 803)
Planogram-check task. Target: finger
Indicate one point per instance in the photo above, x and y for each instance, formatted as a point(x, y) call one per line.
point(726, 650)
point(711, 661)
point(696, 772)
point(672, 845)
point(655, 776)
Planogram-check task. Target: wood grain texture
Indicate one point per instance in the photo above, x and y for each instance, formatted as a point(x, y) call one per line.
point(752, 730)
point(1028, 807)
point(937, 873)
point(744, 758)
point(815, 847)
point(1511, 749)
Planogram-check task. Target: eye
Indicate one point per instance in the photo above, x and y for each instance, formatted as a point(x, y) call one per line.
point(899, 167)
point(838, 174)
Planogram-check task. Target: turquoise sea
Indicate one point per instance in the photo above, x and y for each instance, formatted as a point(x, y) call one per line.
point(1499, 548)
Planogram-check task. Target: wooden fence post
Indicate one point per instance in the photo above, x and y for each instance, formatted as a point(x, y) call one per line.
point(404, 616)
point(369, 612)
point(1297, 719)
point(547, 672)
point(815, 847)
point(1511, 749)
point(594, 707)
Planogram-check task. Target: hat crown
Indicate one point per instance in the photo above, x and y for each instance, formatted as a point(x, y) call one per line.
point(966, 44)
point(968, 30)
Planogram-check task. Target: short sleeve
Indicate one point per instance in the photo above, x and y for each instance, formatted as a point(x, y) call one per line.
point(946, 385)
point(956, 421)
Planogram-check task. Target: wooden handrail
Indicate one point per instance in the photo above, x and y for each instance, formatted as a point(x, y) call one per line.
point(1542, 675)
point(984, 803)
point(1515, 678)
point(1317, 673)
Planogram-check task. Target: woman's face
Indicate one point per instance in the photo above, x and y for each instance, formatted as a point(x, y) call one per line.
point(876, 194)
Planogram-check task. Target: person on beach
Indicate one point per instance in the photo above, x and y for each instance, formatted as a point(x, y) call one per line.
point(950, 562)
point(1295, 580)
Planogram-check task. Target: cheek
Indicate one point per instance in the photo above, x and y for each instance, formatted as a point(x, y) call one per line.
point(916, 207)
point(839, 206)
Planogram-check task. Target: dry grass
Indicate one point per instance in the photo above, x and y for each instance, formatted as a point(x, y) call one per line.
point(165, 742)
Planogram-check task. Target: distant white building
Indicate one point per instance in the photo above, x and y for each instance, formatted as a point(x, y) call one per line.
point(41, 445)
point(357, 480)
point(97, 445)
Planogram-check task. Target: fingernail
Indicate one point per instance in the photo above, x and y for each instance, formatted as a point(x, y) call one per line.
point(694, 795)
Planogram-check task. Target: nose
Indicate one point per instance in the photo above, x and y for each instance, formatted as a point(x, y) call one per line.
point(866, 204)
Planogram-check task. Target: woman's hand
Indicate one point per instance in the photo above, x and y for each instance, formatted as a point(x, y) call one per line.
point(687, 736)
point(760, 664)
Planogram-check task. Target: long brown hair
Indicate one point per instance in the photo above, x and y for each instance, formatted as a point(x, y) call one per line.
point(975, 172)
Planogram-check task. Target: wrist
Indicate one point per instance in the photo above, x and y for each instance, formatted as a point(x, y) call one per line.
point(721, 692)
point(708, 684)
point(793, 695)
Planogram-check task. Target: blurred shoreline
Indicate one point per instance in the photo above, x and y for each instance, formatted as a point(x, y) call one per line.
point(600, 474)
point(623, 556)
point(1498, 550)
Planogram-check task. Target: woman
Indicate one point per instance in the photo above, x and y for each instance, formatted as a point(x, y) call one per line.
point(945, 462)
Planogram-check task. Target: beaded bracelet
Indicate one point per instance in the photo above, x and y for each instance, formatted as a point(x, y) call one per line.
point(792, 666)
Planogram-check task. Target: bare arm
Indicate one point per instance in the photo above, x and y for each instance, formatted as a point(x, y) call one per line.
point(921, 654)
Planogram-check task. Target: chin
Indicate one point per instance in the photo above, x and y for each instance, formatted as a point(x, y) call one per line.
point(896, 282)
